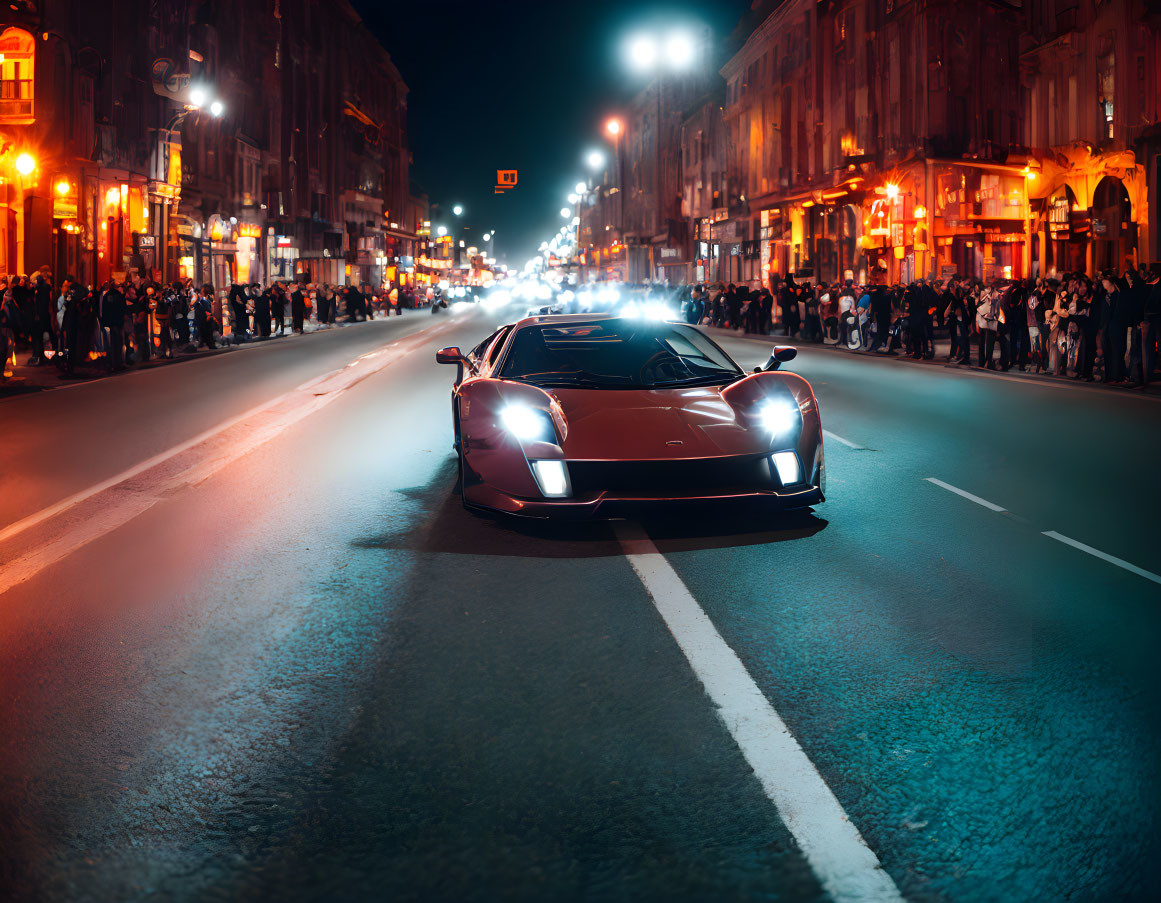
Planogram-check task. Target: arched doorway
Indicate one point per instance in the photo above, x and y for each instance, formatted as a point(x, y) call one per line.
point(1114, 234)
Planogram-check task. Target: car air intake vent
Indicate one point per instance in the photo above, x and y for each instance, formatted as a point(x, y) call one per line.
point(683, 478)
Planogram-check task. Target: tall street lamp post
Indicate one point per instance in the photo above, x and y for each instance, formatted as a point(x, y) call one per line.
point(651, 53)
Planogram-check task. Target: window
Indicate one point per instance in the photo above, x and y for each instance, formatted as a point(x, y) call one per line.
point(1107, 82)
point(17, 58)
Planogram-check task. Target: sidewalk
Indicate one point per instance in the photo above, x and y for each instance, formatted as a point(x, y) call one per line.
point(942, 348)
point(26, 379)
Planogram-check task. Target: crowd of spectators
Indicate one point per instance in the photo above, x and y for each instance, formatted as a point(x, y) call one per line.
point(1075, 326)
point(121, 323)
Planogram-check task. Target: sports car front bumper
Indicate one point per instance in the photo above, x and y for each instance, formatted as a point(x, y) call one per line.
point(606, 489)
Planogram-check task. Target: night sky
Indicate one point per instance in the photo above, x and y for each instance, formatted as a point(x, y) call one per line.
point(522, 85)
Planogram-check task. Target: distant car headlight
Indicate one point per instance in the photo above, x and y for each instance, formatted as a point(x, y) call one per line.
point(528, 424)
point(778, 417)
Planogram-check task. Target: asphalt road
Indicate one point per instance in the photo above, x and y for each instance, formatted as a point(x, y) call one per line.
point(282, 662)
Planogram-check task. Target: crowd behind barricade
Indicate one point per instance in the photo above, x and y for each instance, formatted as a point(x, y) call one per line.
point(1075, 326)
point(121, 323)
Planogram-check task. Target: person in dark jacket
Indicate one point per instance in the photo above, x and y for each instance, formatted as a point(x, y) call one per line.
point(203, 310)
point(43, 320)
point(354, 303)
point(10, 326)
point(297, 308)
point(1151, 321)
point(278, 307)
point(262, 312)
point(162, 303)
point(111, 313)
point(238, 318)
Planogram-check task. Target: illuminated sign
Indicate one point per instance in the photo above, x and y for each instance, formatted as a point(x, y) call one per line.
point(505, 180)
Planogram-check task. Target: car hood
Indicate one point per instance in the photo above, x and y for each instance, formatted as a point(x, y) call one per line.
point(694, 422)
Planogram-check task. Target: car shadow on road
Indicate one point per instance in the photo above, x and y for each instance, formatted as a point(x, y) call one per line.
point(453, 530)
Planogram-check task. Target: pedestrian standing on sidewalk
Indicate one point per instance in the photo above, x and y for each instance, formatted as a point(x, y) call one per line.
point(43, 320)
point(765, 311)
point(987, 321)
point(955, 313)
point(278, 307)
point(163, 315)
point(1134, 315)
point(262, 312)
point(139, 309)
point(1151, 321)
point(10, 326)
point(179, 302)
point(1118, 317)
point(111, 312)
point(324, 304)
point(297, 308)
point(203, 316)
point(238, 319)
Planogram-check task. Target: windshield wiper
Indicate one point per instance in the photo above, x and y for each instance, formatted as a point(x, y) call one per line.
point(697, 381)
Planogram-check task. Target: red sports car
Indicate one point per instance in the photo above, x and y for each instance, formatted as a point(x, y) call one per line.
point(587, 415)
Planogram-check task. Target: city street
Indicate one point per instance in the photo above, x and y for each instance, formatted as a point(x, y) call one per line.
point(252, 646)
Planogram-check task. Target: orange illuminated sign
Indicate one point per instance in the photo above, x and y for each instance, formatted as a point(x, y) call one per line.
point(505, 179)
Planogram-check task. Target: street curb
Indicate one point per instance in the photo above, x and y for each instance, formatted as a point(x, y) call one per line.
point(13, 389)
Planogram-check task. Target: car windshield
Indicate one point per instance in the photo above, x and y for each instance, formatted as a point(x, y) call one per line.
point(616, 354)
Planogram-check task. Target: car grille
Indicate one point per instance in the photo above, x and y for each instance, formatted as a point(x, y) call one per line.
point(682, 478)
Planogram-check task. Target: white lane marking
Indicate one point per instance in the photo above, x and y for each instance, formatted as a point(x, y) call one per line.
point(44, 514)
point(64, 504)
point(847, 868)
point(1104, 556)
point(991, 506)
point(132, 502)
point(847, 442)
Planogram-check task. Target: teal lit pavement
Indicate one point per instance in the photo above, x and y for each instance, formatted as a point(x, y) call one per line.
point(313, 676)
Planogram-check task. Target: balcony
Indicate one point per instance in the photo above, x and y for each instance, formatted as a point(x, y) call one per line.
point(16, 100)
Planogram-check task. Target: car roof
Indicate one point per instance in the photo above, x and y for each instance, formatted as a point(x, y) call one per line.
point(565, 318)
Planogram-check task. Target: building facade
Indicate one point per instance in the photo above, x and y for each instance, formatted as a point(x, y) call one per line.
point(261, 140)
point(884, 140)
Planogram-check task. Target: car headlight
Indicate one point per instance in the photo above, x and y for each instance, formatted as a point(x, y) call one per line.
point(528, 424)
point(778, 417)
point(552, 478)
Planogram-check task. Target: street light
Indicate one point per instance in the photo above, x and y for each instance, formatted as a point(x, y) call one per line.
point(581, 187)
point(458, 209)
point(643, 52)
point(25, 164)
point(573, 198)
point(441, 231)
point(217, 108)
point(679, 50)
point(595, 159)
point(613, 126)
point(197, 96)
point(648, 52)
point(565, 212)
point(63, 187)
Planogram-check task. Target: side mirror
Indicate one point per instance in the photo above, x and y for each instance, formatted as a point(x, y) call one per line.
point(781, 354)
point(451, 355)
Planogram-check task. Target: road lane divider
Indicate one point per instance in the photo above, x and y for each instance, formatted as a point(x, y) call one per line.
point(136, 490)
point(847, 442)
point(845, 865)
point(1052, 534)
point(1104, 556)
point(25, 523)
point(991, 506)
